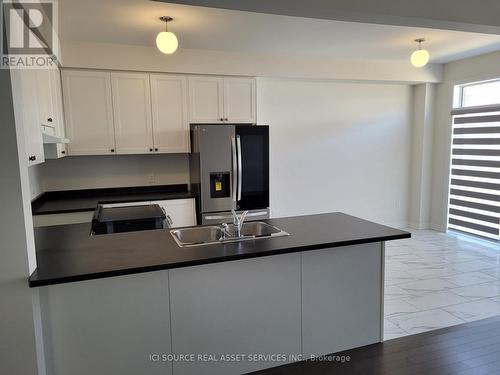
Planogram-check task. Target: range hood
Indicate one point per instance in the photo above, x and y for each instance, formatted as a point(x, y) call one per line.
point(52, 139)
point(49, 137)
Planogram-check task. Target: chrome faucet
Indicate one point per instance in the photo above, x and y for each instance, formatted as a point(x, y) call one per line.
point(238, 222)
point(224, 230)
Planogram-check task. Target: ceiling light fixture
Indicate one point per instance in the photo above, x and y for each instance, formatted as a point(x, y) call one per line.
point(420, 57)
point(166, 41)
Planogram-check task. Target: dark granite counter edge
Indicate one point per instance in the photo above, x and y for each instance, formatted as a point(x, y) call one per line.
point(108, 195)
point(34, 282)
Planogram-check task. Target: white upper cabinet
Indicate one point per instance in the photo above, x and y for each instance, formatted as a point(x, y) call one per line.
point(57, 100)
point(141, 113)
point(27, 116)
point(44, 92)
point(222, 100)
point(51, 110)
point(132, 113)
point(88, 112)
point(206, 96)
point(170, 113)
point(239, 100)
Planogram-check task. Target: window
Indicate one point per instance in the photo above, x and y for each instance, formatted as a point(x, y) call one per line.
point(480, 93)
point(474, 193)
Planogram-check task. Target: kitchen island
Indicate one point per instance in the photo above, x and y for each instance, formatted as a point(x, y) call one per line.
point(216, 309)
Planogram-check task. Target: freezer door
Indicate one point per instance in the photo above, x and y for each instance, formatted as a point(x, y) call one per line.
point(252, 191)
point(227, 217)
point(216, 149)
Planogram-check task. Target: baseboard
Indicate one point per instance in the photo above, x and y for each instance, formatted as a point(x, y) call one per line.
point(438, 227)
point(419, 226)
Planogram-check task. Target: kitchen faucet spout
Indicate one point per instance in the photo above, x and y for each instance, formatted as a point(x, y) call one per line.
point(238, 221)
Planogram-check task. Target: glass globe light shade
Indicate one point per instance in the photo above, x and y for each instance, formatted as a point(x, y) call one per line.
point(166, 42)
point(419, 58)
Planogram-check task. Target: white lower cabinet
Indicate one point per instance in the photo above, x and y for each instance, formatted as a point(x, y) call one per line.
point(342, 298)
point(246, 307)
point(108, 326)
point(223, 318)
point(182, 212)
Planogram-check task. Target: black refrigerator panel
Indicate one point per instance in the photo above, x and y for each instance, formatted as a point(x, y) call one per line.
point(252, 190)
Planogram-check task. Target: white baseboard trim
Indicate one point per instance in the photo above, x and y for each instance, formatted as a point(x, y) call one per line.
point(419, 226)
point(438, 227)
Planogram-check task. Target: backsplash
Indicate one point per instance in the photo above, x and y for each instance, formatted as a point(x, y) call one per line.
point(83, 172)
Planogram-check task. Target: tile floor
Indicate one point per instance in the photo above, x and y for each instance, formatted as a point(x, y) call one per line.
point(435, 280)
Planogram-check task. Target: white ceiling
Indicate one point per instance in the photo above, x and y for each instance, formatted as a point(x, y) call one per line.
point(136, 22)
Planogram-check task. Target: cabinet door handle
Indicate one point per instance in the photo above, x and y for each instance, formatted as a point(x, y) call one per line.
point(63, 152)
point(156, 149)
point(49, 119)
point(225, 119)
point(150, 150)
point(112, 150)
point(222, 119)
point(32, 158)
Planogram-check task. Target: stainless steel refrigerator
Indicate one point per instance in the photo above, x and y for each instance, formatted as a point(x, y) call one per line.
point(229, 168)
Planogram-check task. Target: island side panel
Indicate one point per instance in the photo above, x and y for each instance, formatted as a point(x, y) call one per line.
point(107, 326)
point(342, 297)
point(247, 306)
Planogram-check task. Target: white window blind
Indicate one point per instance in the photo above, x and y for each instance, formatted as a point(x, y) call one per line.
point(474, 196)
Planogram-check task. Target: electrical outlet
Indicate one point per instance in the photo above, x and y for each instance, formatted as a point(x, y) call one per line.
point(151, 179)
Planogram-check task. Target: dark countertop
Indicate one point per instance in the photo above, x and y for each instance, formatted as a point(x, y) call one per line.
point(56, 202)
point(67, 253)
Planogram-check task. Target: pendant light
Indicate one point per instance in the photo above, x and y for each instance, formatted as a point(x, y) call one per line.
point(420, 57)
point(166, 41)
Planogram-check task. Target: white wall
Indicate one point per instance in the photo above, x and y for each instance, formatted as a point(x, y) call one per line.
point(338, 146)
point(328, 137)
point(35, 180)
point(462, 71)
point(421, 156)
point(17, 332)
point(129, 57)
point(83, 172)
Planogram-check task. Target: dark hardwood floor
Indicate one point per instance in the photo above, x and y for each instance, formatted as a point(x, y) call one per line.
point(467, 349)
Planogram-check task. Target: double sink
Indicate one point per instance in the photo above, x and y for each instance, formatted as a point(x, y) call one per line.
point(208, 235)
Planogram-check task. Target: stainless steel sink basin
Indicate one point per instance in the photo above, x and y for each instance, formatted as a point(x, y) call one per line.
point(256, 229)
point(207, 235)
point(197, 235)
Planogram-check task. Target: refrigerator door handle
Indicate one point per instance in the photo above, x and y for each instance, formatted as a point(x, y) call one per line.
point(235, 170)
point(240, 176)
